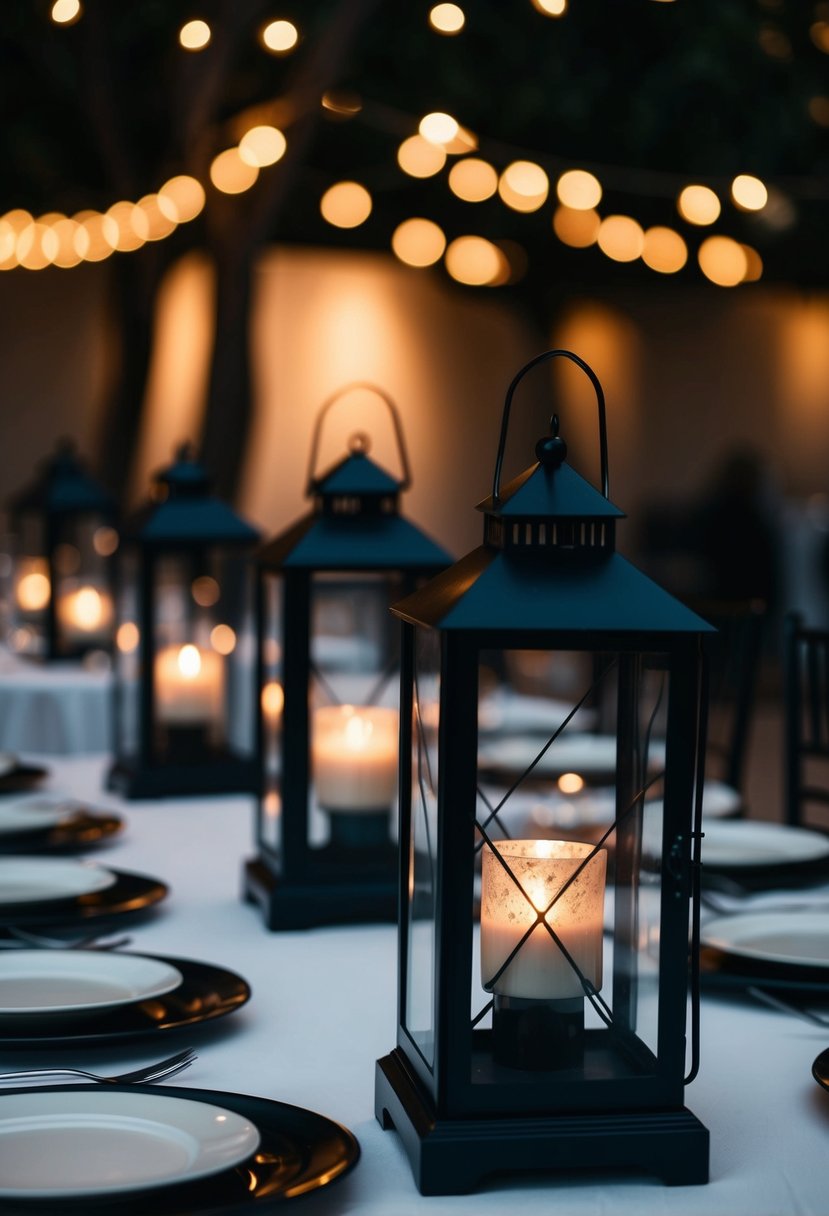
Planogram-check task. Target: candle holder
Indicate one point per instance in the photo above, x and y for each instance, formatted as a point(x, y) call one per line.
point(543, 984)
point(329, 679)
point(185, 662)
point(60, 602)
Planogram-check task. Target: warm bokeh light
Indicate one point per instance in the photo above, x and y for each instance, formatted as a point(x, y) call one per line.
point(698, 205)
point(819, 34)
point(754, 264)
point(29, 247)
point(33, 591)
point(230, 174)
point(272, 700)
point(577, 228)
point(346, 205)
point(447, 18)
point(420, 158)
point(749, 192)
point(194, 35)
point(551, 8)
point(579, 189)
point(205, 591)
point(723, 261)
point(158, 216)
point(621, 238)
point(464, 142)
point(819, 110)
point(127, 238)
point(439, 128)
point(473, 179)
point(127, 637)
point(418, 242)
point(664, 250)
point(105, 541)
point(8, 242)
point(261, 146)
point(65, 12)
point(96, 236)
point(182, 198)
point(223, 639)
point(475, 261)
point(189, 661)
point(570, 783)
point(524, 186)
point(342, 103)
point(280, 37)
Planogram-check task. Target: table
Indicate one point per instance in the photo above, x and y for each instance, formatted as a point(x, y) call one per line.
point(323, 1010)
point(57, 709)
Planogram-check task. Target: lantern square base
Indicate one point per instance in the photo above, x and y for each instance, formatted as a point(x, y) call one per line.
point(215, 775)
point(453, 1156)
point(290, 904)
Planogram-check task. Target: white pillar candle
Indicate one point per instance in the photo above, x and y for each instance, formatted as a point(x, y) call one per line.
point(189, 685)
point(85, 615)
point(354, 753)
point(540, 970)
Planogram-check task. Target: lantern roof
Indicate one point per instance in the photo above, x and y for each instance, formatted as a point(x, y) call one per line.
point(183, 511)
point(356, 474)
point(354, 542)
point(553, 493)
point(63, 485)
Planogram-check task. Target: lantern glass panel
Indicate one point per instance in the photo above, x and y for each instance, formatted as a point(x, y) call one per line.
point(272, 701)
point(420, 923)
point(569, 839)
point(128, 658)
point(83, 599)
point(353, 696)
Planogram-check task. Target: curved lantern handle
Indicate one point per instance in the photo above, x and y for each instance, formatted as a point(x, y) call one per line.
point(395, 417)
point(552, 354)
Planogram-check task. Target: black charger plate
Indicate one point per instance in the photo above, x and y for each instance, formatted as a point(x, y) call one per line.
point(820, 1069)
point(128, 895)
point(22, 777)
point(300, 1151)
point(724, 972)
point(205, 993)
point(80, 830)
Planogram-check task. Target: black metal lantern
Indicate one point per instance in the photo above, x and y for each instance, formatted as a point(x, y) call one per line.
point(329, 663)
point(185, 661)
point(543, 982)
point(63, 534)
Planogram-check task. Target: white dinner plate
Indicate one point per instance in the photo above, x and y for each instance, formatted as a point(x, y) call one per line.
point(38, 879)
point(744, 843)
point(32, 812)
point(69, 1143)
point(778, 936)
point(78, 981)
point(572, 752)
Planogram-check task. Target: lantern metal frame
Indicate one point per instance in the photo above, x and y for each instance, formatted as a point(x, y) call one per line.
point(183, 521)
point(60, 497)
point(354, 528)
point(547, 578)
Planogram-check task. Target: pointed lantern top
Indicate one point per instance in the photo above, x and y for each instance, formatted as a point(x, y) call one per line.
point(182, 509)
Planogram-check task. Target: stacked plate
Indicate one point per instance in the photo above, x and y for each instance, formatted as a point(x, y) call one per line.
point(53, 890)
point(47, 822)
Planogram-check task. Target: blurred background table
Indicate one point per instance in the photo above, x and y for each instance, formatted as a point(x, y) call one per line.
point(59, 709)
point(323, 1010)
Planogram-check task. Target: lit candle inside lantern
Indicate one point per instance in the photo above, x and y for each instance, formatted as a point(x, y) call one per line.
point(540, 970)
point(85, 615)
point(355, 758)
point(33, 586)
point(272, 700)
point(189, 685)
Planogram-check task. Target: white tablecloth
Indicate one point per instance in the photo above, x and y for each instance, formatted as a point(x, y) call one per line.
point(323, 1010)
point(58, 709)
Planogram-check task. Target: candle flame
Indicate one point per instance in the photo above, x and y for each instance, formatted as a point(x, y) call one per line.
point(357, 732)
point(189, 661)
point(89, 608)
point(33, 591)
point(570, 783)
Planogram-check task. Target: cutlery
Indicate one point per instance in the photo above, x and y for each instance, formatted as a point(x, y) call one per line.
point(39, 941)
point(797, 1011)
point(150, 1072)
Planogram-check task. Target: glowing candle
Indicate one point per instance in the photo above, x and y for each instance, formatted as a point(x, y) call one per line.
point(355, 757)
point(540, 970)
point(85, 615)
point(33, 587)
point(189, 685)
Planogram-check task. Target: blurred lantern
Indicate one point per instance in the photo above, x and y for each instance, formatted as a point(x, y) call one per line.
point(543, 983)
point(329, 679)
point(185, 644)
point(63, 536)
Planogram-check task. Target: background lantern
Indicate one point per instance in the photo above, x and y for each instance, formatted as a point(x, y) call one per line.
point(185, 641)
point(63, 534)
point(543, 980)
point(329, 679)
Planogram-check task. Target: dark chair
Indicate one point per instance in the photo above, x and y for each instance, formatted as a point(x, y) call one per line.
point(806, 718)
point(734, 664)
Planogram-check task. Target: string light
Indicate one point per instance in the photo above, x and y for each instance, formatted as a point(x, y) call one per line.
point(230, 174)
point(754, 264)
point(447, 18)
point(194, 35)
point(439, 128)
point(66, 12)
point(346, 205)
point(621, 238)
point(341, 103)
point(473, 180)
point(185, 194)
point(664, 250)
point(551, 8)
point(418, 242)
point(579, 189)
point(723, 261)
point(262, 146)
point(524, 186)
point(280, 37)
point(749, 193)
point(475, 261)
point(420, 158)
point(698, 205)
point(580, 229)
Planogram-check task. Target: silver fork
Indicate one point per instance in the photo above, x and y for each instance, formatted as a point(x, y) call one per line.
point(40, 941)
point(150, 1072)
